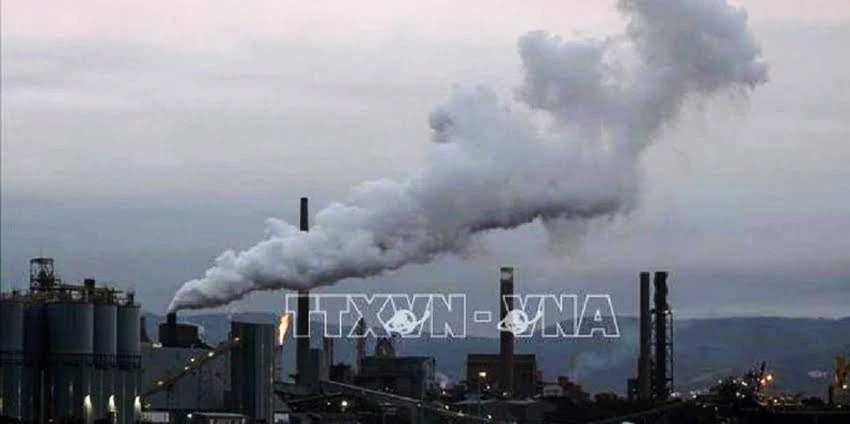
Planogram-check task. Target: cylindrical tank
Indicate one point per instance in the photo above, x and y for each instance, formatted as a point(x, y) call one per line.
point(70, 338)
point(252, 370)
point(32, 386)
point(105, 363)
point(11, 357)
point(129, 362)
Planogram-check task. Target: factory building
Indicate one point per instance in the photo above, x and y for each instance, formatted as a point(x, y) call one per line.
point(185, 380)
point(408, 376)
point(69, 353)
point(484, 372)
point(505, 374)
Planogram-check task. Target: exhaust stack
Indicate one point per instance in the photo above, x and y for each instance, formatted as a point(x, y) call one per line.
point(662, 380)
point(645, 356)
point(302, 326)
point(506, 338)
point(360, 330)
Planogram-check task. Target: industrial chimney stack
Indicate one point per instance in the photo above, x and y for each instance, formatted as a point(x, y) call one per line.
point(506, 338)
point(302, 325)
point(655, 359)
point(360, 330)
point(663, 349)
point(645, 356)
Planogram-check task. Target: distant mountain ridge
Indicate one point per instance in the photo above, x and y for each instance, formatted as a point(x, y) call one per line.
point(704, 350)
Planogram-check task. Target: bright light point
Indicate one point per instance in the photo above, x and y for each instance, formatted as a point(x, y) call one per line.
point(344, 403)
point(769, 377)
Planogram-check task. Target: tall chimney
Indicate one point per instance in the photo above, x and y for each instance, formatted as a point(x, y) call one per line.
point(360, 330)
point(661, 311)
point(506, 338)
point(645, 356)
point(302, 326)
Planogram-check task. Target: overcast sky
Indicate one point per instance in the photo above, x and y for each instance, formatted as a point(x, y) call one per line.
point(140, 139)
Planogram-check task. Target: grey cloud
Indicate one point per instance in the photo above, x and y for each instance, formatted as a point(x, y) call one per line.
point(216, 142)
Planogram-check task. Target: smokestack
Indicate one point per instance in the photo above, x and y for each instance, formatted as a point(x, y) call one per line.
point(170, 330)
point(361, 343)
point(661, 311)
point(302, 326)
point(506, 338)
point(645, 356)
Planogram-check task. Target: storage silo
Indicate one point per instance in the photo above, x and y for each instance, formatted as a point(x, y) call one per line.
point(70, 338)
point(32, 386)
point(252, 370)
point(105, 362)
point(11, 357)
point(128, 375)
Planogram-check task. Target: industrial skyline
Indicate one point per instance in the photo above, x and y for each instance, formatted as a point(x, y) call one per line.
point(591, 179)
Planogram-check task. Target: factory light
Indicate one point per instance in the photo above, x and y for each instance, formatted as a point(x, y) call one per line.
point(344, 404)
point(489, 417)
point(160, 383)
point(844, 386)
point(211, 354)
point(770, 377)
point(189, 415)
point(482, 374)
point(192, 360)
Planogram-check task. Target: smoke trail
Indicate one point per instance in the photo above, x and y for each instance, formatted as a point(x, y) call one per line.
point(489, 168)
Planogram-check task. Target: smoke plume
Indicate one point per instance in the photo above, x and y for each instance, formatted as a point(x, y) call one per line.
point(490, 168)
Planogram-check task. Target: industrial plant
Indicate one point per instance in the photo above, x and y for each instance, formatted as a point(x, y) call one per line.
point(81, 353)
point(70, 353)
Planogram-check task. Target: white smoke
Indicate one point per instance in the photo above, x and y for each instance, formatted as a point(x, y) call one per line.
point(490, 168)
point(442, 380)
